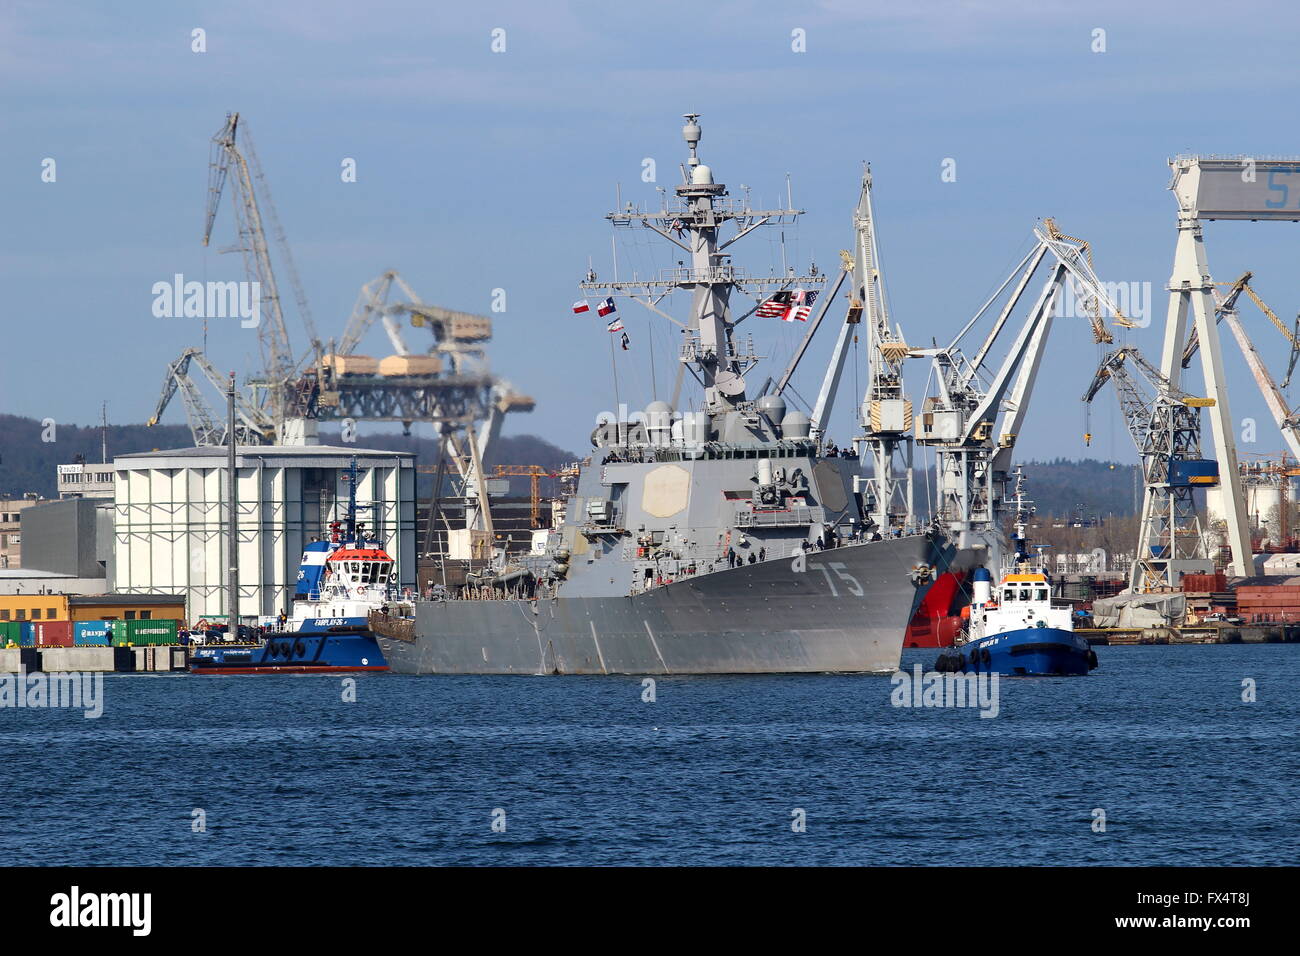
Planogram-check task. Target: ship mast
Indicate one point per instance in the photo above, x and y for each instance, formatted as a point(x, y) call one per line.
point(709, 349)
point(1024, 509)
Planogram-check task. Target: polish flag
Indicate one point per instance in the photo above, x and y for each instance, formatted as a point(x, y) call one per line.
point(581, 306)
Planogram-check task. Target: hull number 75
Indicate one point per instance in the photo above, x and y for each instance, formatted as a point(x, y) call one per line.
point(849, 581)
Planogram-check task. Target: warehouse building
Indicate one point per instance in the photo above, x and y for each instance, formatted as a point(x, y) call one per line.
point(11, 535)
point(82, 480)
point(92, 607)
point(73, 536)
point(170, 513)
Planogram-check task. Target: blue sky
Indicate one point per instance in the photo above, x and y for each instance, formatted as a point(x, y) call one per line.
point(481, 170)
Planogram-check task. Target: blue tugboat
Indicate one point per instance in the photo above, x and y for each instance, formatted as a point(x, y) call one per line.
point(1016, 630)
point(340, 582)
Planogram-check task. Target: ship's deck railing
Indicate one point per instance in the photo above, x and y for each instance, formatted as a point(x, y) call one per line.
point(694, 451)
point(391, 593)
point(786, 518)
point(742, 349)
point(711, 558)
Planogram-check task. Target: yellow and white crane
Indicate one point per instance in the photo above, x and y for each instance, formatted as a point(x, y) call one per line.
point(973, 419)
point(886, 412)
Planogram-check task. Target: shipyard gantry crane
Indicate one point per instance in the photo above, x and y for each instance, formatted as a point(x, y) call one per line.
point(973, 426)
point(253, 426)
point(1287, 421)
point(1207, 189)
point(885, 414)
point(279, 366)
point(458, 337)
point(372, 304)
point(886, 411)
point(278, 393)
point(449, 385)
point(1165, 424)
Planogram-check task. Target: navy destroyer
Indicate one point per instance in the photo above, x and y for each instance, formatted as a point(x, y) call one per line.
point(727, 537)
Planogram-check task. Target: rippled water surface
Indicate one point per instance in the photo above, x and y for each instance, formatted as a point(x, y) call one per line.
point(286, 772)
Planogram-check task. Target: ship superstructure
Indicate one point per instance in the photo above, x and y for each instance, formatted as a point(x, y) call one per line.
point(720, 535)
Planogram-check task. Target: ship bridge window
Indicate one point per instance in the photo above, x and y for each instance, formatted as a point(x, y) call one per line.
point(1024, 594)
point(1009, 594)
point(1041, 594)
point(368, 572)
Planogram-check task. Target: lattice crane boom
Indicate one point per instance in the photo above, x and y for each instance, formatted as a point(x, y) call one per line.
point(282, 242)
point(252, 425)
point(1165, 424)
point(273, 336)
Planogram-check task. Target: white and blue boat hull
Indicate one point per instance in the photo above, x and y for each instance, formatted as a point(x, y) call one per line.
point(1024, 652)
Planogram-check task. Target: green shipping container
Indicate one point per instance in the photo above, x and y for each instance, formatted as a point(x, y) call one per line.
point(150, 632)
point(9, 632)
point(120, 636)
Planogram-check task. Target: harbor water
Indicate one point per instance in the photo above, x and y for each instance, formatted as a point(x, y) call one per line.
point(282, 770)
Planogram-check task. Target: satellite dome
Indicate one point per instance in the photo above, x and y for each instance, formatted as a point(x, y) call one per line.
point(773, 406)
point(795, 425)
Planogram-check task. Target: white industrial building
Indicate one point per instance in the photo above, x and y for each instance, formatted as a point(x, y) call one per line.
point(170, 512)
point(81, 480)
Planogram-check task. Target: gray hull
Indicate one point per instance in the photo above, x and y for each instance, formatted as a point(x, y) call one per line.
point(845, 610)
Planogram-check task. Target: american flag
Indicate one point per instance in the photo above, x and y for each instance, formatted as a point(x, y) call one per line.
point(788, 305)
point(776, 306)
point(801, 307)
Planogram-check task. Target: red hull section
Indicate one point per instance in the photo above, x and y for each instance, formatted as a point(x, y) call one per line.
point(935, 624)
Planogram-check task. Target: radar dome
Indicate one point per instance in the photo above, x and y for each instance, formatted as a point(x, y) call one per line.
point(773, 406)
point(701, 176)
point(795, 425)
